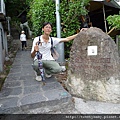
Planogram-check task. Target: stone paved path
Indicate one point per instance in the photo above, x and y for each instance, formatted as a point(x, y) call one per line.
point(22, 93)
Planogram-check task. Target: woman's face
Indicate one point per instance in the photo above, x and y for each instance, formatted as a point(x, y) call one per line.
point(47, 29)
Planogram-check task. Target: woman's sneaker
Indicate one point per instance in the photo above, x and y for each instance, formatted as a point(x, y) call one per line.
point(47, 76)
point(63, 68)
point(38, 78)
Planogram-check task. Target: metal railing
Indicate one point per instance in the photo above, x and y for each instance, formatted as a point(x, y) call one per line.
point(2, 7)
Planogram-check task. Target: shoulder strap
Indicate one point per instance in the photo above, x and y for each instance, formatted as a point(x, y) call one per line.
point(51, 42)
point(39, 40)
point(52, 48)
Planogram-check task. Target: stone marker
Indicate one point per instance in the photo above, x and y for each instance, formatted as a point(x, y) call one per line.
point(94, 67)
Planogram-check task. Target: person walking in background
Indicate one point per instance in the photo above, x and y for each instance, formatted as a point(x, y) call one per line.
point(23, 40)
point(43, 45)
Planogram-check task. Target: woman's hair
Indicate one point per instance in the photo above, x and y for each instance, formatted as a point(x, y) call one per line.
point(46, 23)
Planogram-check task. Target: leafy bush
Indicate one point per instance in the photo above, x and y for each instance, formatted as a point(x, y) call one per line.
point(70, 19)
point(114, 21)
point(41, 11)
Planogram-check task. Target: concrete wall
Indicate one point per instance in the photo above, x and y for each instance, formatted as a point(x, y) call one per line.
point(3, 47)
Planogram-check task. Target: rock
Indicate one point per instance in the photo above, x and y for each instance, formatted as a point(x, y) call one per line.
point(11, 55)
point(7, 58)
point(94, 69)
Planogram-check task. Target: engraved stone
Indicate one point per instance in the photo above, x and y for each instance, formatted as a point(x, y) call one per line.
point(94, 76)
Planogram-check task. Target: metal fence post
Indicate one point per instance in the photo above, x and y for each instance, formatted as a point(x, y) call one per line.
point(60, 47)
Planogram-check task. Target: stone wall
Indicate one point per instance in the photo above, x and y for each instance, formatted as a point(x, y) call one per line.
point(94, 67)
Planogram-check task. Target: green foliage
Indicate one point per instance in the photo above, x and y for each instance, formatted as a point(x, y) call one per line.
point(70, 14)
point(41, 11)
point(44, 10)
point(70, 18)
point(15, 7)
point(114, 21)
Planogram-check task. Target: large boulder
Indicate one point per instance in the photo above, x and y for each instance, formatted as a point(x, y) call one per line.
point(94, 67)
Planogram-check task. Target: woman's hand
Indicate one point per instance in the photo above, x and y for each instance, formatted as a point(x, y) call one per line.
point(83, 29)
point(36, 48)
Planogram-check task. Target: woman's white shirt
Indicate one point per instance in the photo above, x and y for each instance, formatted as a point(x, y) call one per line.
point(45, 48)
point(23, 37)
